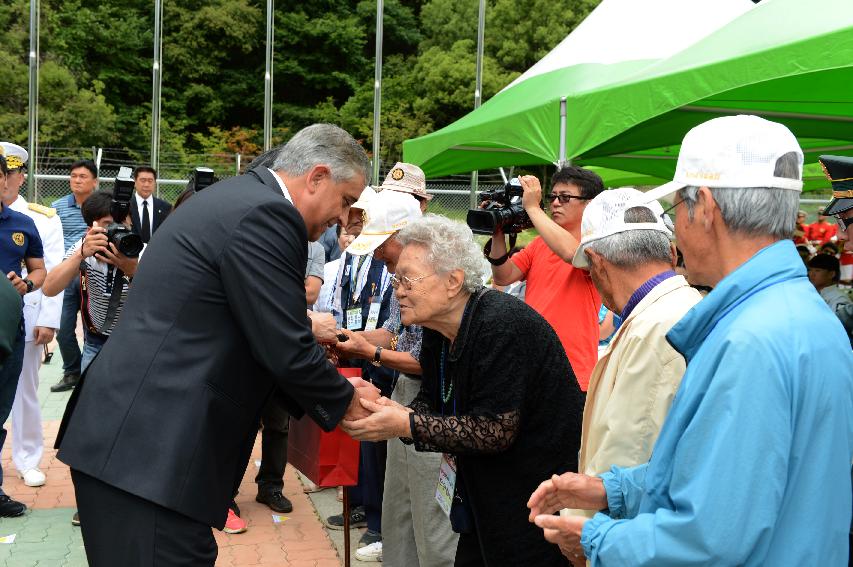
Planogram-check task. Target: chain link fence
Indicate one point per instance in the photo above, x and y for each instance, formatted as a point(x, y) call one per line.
point(452, 195)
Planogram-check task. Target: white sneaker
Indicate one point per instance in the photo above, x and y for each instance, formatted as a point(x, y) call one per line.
point(33, 477)
point(372, 552)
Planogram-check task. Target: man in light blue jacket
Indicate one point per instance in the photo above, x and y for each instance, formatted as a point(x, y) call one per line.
point(752, 465)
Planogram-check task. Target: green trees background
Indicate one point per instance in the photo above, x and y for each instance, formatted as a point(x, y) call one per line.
point(95, 78)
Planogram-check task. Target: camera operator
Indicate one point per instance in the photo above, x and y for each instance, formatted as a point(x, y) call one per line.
point(101, 266)
point(562, 294)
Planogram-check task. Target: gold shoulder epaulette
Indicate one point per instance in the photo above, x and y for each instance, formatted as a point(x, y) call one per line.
point(46, 211)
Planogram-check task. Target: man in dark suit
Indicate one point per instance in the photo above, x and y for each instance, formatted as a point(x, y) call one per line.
point(161, 427)
point(147, 212)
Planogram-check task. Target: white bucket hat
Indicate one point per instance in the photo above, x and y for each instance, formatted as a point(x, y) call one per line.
point(406, 178)
point(605, 216)
point(384, 214)
point(733, 151)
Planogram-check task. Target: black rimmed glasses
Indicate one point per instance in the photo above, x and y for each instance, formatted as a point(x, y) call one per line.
point(564, 198)
point(843, 224)
point(670, 209)
point(407, 281)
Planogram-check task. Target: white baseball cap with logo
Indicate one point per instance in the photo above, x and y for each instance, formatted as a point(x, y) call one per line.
point(366, 196)
point(384, 214)
point(733, 151)
point(605, 216)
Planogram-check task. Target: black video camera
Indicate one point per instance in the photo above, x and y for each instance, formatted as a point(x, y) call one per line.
point(125, 240)
point(500, 209)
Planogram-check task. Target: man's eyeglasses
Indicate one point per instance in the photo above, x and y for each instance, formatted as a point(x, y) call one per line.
point(843, 224)
point(564, 198)
point(406, 281)
point(669, 209)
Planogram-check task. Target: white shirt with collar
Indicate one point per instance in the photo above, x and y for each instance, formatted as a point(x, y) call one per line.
point(282, 186)
point(150, 201)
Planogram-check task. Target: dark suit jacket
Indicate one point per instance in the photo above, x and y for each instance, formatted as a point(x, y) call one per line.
point(215, 319)
point(161, 210)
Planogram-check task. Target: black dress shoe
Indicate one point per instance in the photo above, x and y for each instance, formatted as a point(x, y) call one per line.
point(67, 382)
point(276, 501)
point(11, 508)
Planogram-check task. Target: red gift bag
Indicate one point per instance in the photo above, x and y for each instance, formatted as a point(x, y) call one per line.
point(327, 459)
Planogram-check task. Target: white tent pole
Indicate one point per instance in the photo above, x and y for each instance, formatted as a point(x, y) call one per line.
point(268, 77)
point(34, 97)
point(478, 89)
point(377, 91)
point(562, 160)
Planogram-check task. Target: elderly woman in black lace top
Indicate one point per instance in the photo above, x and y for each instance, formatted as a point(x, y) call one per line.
point(498, 398)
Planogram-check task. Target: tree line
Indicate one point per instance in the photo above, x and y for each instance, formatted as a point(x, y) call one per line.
point(95, 75)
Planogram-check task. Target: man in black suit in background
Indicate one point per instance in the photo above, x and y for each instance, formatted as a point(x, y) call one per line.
point(147, 212)
point(161, 427)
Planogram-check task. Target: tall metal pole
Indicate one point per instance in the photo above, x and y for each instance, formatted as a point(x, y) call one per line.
point(377, 91)
point(156, 83)
point(32, 141)
point(268, 77)
point(478, 89)
point(562, 159)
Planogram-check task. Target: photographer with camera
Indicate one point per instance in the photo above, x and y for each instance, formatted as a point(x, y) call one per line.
point(97, 259)
point(562, 294)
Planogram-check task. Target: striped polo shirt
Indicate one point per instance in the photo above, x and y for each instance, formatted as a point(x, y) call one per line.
point(73, 225)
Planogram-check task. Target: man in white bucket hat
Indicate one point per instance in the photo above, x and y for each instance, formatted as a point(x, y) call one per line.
point(752, 465)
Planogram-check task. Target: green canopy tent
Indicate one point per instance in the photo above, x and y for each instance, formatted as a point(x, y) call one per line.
point(786, 60)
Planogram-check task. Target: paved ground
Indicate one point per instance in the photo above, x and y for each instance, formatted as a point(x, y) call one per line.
point(44, 536)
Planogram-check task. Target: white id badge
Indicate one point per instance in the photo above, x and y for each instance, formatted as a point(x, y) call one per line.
point(372, 316)
point(446, 483)
point(354, 318)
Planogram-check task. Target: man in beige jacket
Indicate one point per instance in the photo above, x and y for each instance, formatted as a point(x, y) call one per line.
point(626, 247)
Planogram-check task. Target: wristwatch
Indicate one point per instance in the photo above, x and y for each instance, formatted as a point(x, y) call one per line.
point(377, 357)
point(30, 285)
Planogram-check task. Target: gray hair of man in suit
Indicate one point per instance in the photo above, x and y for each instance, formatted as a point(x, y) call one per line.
point(317, 144)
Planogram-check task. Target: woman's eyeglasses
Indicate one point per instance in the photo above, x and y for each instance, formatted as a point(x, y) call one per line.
point(843, 224)
point(406, 281)
point(564, 198)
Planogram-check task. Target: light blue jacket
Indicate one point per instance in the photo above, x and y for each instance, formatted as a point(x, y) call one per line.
point(752, 466)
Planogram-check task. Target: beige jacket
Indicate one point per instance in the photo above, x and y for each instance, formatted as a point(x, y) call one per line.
point(634, 382)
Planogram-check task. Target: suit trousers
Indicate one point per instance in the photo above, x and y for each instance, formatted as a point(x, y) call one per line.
point(120, 528)
point(415, 530)
point(275, 422)
point(27, 437)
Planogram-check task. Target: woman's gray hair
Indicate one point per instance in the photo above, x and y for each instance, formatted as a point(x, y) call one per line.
point(634, 247)
point(319, 144)
point(450, 246)
point(756, 211)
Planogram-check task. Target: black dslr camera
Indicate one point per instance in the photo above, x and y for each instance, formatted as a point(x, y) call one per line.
point(500, 209)
point(202, 177)
point(125, 240)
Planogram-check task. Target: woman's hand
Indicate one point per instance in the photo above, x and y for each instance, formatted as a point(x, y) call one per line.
point(356, 346)
point(568, 490)
point(385, 422)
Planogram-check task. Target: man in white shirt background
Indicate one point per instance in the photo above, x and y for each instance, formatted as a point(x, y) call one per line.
point(147, 211)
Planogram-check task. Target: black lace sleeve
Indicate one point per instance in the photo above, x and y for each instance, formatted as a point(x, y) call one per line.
point(465, 433)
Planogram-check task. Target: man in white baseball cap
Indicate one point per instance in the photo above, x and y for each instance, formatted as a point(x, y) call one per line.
point(752, 465)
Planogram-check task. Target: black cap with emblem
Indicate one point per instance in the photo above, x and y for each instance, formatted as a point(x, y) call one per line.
point(839, 171)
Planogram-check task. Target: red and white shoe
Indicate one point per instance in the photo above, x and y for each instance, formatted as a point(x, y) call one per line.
point(234, 524)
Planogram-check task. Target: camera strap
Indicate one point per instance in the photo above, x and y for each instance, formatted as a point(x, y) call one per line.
point(115, 300)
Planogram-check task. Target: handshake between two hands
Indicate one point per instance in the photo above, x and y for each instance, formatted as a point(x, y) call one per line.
point(373, 417)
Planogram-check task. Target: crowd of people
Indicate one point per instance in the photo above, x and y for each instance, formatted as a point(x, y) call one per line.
point(640, 404)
